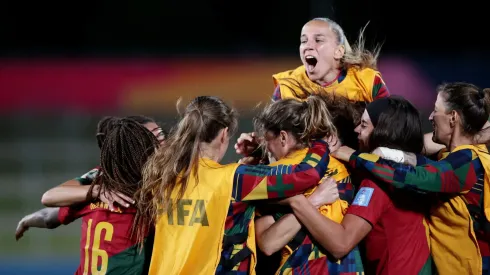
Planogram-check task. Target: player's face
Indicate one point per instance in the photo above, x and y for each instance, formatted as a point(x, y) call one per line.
point(440, 119)
point(364, 130)
point(278, 146)
point(318, 50)
point(156, 130)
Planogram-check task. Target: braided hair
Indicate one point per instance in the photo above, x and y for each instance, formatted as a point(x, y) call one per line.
point(143, 120)
point(124, 151)
point(103, 127)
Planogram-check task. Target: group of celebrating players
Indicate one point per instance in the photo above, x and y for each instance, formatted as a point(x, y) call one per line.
point(337, 178)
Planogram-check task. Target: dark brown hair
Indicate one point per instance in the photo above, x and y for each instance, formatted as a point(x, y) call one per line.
point(346, 115)
point(124, 151)
point(471, 103)
point(103, 127)
point(398, 127)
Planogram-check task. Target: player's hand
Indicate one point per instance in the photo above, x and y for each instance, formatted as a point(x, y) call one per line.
point(343, 153)
point(22, 227)
point(396, 155)
point(333, 143)
point(326, 193)
point(110, 198)
point(246, 144)
point(249, 161)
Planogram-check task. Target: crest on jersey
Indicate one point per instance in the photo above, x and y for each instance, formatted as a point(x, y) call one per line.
point(363, 197)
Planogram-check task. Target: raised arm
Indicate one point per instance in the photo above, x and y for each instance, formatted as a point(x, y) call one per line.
point(75, 191)
point(430, 147)
point(265, 182)
point(454, 174)
point(66, 194)
point(70, 192)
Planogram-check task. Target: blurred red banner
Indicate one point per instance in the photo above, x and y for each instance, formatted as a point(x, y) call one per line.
point(136, 85)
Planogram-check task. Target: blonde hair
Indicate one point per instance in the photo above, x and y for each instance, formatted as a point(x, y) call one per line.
point(304, 120)
point(170, 167)
point(357, 55)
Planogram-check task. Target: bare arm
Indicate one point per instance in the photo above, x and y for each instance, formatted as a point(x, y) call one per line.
point(338, 239)
point(430, 147)
point(71, 192)
point(66, 194)
point(44, 218)
point(273, 236)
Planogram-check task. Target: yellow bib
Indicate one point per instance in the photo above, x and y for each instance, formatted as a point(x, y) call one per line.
point(357, 85)
point(335, 211)
point(188, 240)
point(453, 242)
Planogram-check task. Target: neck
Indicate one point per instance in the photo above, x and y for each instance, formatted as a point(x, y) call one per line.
point(458, 140)
point(331, 76)
point(210, 152)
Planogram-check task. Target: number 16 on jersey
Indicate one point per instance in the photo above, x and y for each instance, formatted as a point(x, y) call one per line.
point(96, 259)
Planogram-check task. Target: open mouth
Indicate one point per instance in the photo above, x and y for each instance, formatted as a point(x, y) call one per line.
point(310, 62)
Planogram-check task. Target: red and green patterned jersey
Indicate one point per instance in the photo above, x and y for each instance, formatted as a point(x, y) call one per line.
point(106, 246)
point(252, 183)
point(310, 258)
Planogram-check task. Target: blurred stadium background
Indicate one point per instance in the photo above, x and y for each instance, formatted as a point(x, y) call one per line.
point(63, 65)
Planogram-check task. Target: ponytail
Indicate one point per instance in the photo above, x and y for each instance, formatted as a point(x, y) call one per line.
point(170, 168)
point(304, 120)
point(358, 56)
point(318, 121)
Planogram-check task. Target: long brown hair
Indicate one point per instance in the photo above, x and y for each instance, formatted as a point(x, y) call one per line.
point(103, 127)
point(170, 167)
point(304, 120)
point(126, 147)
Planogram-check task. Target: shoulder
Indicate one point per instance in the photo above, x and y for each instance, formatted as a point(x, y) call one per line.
point(367, 190)
point(288, 73)
point(231, 168)
point(364, 73)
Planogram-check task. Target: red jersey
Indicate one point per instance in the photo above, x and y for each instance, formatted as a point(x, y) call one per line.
point(106, 246)
point(397, 243)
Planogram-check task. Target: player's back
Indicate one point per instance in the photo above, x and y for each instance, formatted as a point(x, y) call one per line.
point(106, 246)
